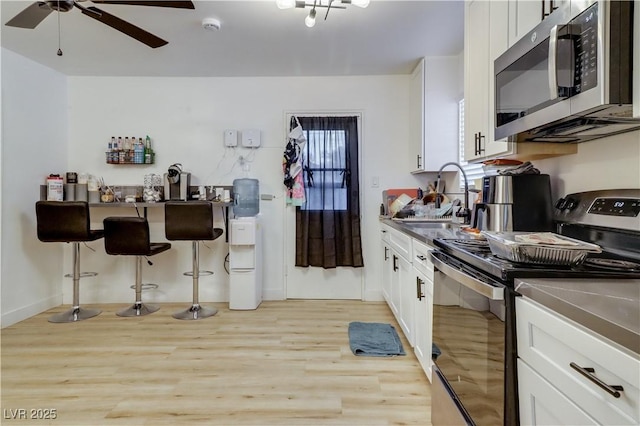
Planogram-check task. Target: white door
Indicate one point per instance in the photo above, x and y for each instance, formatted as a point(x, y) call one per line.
point(315, 282)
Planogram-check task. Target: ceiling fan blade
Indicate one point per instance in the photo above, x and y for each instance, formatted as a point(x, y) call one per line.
point(31, 16)
point(158, 3)
point(123, 26)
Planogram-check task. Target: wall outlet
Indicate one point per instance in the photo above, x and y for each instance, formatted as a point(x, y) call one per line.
point(251, 138)
point(230, 138)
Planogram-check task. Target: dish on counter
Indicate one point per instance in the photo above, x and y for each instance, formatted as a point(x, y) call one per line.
point(544, 248)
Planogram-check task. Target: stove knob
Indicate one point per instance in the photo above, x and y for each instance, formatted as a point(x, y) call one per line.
point(560, 204)
point(571, 204)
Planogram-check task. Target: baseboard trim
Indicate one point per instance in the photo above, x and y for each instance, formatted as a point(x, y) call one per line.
point(20, 314)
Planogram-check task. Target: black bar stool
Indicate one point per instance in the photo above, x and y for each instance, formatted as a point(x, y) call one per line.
point(129, 236)
point(191, 221)
point(68, 222)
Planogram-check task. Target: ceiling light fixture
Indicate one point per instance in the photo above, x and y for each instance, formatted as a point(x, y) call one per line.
point(310, 20)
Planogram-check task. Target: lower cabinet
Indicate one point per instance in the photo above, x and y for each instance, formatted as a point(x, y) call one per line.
point(568, 374)
point(386, 266)
point(542, 404)
point(407, 287)
point(403, 295)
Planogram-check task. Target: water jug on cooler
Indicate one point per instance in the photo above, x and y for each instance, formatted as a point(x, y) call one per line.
point(246, 197)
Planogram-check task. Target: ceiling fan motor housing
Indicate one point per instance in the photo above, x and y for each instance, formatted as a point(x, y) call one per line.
point(59, 5)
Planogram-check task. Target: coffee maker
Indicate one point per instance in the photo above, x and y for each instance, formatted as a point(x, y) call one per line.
point(176, 183)
point(515, 203)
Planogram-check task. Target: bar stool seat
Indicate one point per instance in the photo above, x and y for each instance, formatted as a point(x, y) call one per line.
point(68, 222)
point(129, 236)
point(192, 221)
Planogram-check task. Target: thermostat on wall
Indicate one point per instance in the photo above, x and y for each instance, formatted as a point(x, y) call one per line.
point(230, 138)
point(251, 138)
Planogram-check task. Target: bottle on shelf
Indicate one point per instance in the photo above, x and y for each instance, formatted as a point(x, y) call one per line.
point(138, 156)
point(148, 152)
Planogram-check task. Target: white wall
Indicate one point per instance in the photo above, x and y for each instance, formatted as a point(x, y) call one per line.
point(607, 163)
point(185, 118)
point(34, 144)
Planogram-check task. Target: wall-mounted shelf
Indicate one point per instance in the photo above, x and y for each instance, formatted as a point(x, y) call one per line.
point(128, 157)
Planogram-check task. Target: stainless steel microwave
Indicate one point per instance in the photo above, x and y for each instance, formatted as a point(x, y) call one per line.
point(570, 79)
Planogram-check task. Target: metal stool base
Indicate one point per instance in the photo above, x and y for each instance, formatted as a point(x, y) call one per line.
point(74, 314)
point(137, 310)
point(195, 312)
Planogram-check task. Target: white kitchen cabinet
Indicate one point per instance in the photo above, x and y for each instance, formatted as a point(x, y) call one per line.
point(487, 26)
point(550, 349)
point(386, 264)
point(399, 271)
point(485, 38)
point(524, 15)
point(435, 91)
point(542, 404)
point(423, 298)
point(407, 294)
point(416, 117)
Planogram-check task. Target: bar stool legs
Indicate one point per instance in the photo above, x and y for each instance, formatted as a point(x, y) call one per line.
point(76, 313)
point(196, 311)
point(138, 308)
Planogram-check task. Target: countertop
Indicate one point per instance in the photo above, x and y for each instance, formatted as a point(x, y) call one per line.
point(427, 231)
point(610, 308)
point(145, 205)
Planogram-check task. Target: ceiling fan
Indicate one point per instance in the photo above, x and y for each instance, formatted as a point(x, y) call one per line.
point(38, 11)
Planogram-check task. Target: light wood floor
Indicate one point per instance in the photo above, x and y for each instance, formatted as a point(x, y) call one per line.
point(286, 363)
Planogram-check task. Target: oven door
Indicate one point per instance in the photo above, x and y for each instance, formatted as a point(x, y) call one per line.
point(469, 345)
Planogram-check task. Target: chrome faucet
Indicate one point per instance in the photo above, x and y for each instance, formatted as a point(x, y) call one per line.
point(464, 212)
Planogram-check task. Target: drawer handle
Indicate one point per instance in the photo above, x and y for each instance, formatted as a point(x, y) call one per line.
point(589, 373)
point(421, 257)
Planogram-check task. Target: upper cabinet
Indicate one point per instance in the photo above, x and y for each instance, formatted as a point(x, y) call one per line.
point(487, 29)
point(416, 117)
point(485, 39)
point(435, 93)
point(524, 15)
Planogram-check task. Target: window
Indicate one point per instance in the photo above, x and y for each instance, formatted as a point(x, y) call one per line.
point(473, 171)
point(325, 170)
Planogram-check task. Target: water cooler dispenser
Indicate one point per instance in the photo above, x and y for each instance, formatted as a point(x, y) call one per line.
point(245, 247)
point(245, 263)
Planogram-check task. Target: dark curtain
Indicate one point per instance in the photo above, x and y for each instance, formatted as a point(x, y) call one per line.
point(328, 223)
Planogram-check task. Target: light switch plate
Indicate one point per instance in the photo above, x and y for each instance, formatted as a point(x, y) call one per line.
point(230, 137)
point(251, 138)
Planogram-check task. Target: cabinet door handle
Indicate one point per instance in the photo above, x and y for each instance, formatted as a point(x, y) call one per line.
point(395, 263)
point(480, 138)
point(419, 293)
point(475, 143)
point(589, 373)
point(418, 158)
point(386, 253)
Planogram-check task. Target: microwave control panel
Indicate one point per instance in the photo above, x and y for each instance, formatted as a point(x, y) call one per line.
point(627, 207)
point(584, 32)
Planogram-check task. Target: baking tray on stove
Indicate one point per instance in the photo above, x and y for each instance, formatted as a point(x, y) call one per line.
point(541, 248)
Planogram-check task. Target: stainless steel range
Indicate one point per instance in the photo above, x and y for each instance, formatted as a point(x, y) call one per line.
point(474, 297)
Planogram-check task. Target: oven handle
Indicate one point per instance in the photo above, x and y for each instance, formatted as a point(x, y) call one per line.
point(487, 290)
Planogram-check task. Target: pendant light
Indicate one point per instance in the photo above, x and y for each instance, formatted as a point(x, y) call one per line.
point(310, 20)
